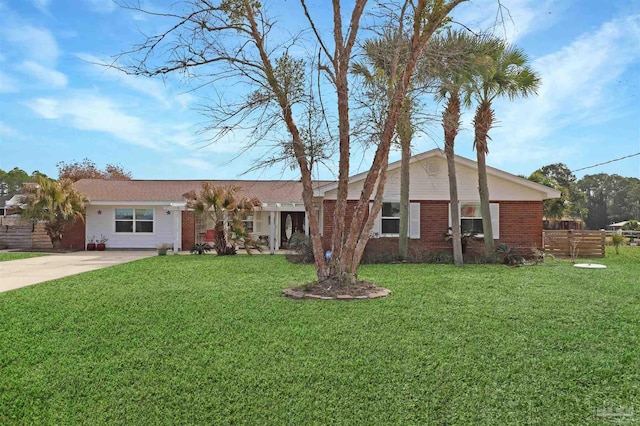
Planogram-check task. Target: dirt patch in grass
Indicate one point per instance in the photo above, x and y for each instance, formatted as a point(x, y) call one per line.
point(330, 290)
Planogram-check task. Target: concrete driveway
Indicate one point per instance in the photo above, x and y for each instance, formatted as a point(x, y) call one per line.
point(24, 272)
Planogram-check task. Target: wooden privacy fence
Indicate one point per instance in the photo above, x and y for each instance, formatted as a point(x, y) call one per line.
point(576, 243)
point(16, 233)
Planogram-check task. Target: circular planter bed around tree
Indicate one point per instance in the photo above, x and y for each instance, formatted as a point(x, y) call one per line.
point(326, 291)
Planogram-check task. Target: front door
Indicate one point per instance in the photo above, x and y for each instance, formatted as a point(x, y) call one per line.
point(290, 223)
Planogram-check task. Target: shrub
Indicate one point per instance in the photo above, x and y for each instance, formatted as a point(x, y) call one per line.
point(439, 256)
point(509, 255)
point(200, 248)
point(617, 240)
point(300, 249)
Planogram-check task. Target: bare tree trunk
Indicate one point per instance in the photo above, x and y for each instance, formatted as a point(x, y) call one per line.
point(298, 147)
point(451, 124)
point(405, 133)
point(359, 232)
point(56, 242)
point(482, 123)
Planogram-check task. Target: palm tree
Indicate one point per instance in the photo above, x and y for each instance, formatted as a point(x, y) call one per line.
point(385, 56)
point(451, 60)
point(57, 203)
point(502, 72)
point(227, 210)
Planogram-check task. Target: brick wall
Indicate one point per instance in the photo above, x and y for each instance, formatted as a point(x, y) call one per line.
point(188, 230)
point(74, 236)
point(521, 223)
point(520, 226)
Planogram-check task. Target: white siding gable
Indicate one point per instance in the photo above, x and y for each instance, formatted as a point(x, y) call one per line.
point(429, 180)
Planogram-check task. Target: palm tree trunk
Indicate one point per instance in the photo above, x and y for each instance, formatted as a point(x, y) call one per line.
point(405, 132)
point(451, 124)
point(482, 123)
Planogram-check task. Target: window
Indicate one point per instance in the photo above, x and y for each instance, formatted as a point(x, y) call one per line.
point(247, 222)
point(470, 218)
point(134, 220)
point(390, 218)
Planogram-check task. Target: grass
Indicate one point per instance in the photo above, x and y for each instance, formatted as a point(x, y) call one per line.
point(208, 340)
point(15, 256)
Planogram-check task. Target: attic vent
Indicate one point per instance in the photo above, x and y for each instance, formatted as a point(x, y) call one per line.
point(433, 166)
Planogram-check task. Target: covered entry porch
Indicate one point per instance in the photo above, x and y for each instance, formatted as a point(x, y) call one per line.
point(274, 224)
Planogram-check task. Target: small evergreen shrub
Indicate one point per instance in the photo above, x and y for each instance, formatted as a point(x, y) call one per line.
point(300, 249)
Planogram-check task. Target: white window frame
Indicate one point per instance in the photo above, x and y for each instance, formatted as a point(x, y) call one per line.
point(495, 217)
point(252, 221)
point(383, 218)
point(134, 220)
point(414, 222)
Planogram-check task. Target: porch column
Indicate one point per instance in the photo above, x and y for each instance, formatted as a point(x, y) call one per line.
point(306, 223)
point(177, 226)
point(272, 232)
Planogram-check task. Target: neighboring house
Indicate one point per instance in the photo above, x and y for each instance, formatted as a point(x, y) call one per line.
point(11, 204)
point(563, 224)
point(3, 201)
point(617, 226)
point(145, 213)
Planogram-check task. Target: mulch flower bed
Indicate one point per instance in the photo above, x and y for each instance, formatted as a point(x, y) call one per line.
point(334, 291)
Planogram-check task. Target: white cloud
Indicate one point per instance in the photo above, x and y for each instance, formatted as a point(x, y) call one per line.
point(8, 84)
point(93, 113)
point(153, 88)
point(102, 6)
point(195, 163)
point(46, 75)
point(45, 108)
point(578, 89)
point(512, 19)
point(35, 43)
point(5, 130)
point(89, 111)
point(42, 5)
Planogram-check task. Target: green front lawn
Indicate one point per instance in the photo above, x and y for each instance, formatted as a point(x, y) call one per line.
point(16, 256)
point(209, 340)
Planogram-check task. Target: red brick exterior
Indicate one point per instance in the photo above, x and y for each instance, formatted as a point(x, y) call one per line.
point(188, 230)
point(520, 227)
point(521, 224)
point(74, 236)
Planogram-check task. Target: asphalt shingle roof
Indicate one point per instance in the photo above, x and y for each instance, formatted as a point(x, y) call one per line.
point(266, 191)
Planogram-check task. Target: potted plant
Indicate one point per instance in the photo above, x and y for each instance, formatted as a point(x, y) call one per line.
point(101, 243)
point(91, 243)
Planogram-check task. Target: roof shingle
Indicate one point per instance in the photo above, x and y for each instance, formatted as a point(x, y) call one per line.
point(267, 191)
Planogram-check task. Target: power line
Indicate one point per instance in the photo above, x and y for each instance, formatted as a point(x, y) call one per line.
point(606, 162)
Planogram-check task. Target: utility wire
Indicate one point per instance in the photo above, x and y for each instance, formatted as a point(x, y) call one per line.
point(606, 162)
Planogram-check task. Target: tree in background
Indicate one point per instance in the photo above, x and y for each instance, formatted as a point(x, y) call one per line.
point(504, 73)
point(11, 182)
point(572, 202)
point(227, 210)
point(87, 170)
point(610, 199)
point(57, 203)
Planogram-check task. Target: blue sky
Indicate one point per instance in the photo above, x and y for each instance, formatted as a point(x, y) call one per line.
point(56, 106)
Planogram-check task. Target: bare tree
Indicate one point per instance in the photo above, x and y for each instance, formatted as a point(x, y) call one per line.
point(383, 55)
point(227, 40)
